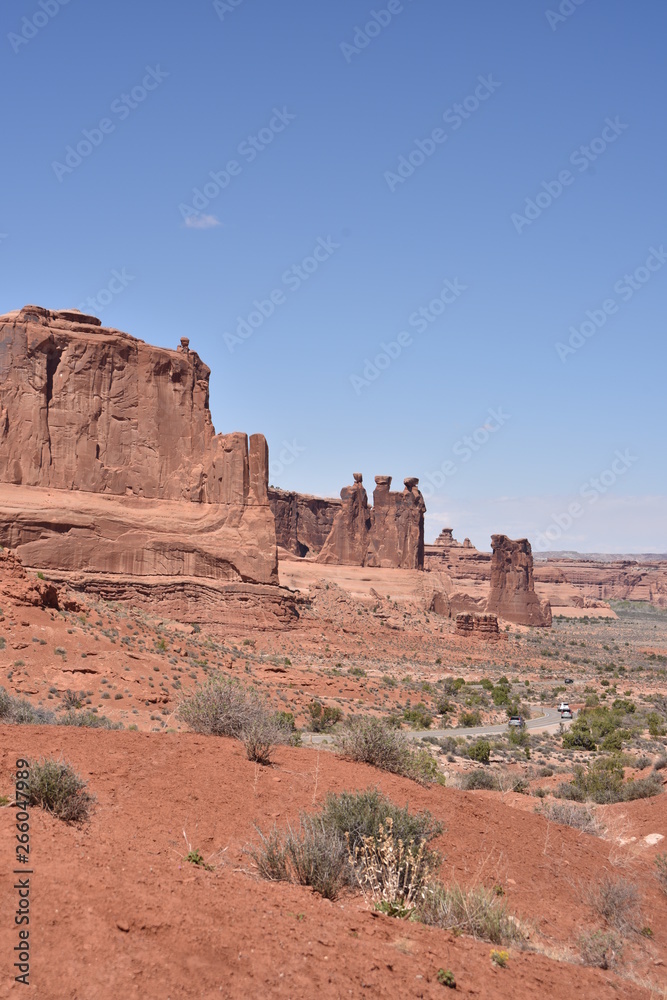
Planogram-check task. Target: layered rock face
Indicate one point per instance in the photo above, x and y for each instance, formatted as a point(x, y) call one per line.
point(390, 535)
point(471, 624)
point(512, 595)
point(303, 522)
point(109, 462)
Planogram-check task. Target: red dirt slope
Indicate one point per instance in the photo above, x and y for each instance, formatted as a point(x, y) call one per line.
point(116, 912)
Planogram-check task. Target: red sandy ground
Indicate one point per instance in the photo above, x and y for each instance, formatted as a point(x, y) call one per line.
point(116, 912)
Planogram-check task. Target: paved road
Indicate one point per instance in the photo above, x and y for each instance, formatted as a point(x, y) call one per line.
point(548, 722)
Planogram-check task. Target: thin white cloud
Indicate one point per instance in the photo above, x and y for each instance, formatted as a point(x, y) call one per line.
point(201, 222)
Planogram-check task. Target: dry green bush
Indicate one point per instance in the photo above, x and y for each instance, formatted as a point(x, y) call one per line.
point(474, 780)
point(618, 901)
point(602, 949)
point(19, 711)
point(224, 707)
point(55, 786)
point(661, 871)
point(368, 740)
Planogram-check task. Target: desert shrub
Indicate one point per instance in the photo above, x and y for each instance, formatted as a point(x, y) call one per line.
point(475, 780)
point(89, 719)
point(219, 707)
point(601, 949)
point(661, 871)
point(642, 788)
point(73, 699)
point(601, 782)
point(468, 720)
point(312, 855)
point(578, 817)
point(19, 711)
point(55, 786)
point(418, 717)
point(372, 741)
point(357, 838)
point(579, 736)
point(655, 725)
point(444, 706)
point(223, 707)
point(477, 911)
point(360, 815)
point(480, 751)
point(260, 734)
point(661, 763)
point(617, 900)
point(392, 873)
point(323, 717)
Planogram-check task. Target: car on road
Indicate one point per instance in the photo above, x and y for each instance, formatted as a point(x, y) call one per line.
point(518, 721)
point(566, 715)
point(563, 707)
point(568, 680)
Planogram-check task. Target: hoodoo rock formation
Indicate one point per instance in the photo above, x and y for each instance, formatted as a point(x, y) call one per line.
point(512, 595)
point(397, 532)
point(347, 543)
point(390, 535)
point(110, 466)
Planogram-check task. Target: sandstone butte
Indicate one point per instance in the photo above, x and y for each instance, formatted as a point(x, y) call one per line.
point(112, 475)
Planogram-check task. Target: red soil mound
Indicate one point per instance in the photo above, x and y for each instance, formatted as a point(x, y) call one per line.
point(117, 912)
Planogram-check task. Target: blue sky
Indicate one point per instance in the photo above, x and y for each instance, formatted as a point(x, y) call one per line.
point(451, 189)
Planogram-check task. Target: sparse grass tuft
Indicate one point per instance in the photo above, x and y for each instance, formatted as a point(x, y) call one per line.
point(578, 817)
point(476, 911)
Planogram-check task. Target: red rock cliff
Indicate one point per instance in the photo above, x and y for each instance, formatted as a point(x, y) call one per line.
point(110, 460)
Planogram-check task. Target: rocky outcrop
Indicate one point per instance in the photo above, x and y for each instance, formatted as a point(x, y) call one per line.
point(110, 464)
point(397, 530)
point(512, 595)
point(471, 624)
point(303, 522)
point(18, 587)
point(347, 543)
point(390, 535)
